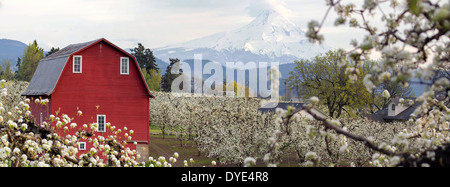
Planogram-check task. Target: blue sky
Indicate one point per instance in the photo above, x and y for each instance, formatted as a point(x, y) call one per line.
point(154, 23)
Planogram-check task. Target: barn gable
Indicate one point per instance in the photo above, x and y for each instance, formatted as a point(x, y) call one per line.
point(49, 70)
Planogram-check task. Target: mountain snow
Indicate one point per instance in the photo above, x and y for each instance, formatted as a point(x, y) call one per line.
point(269, 38)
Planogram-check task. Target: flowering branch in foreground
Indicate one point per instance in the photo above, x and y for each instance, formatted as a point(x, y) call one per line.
point(24, 143)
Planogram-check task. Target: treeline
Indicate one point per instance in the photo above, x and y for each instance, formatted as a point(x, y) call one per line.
point(26, 65)
point(151, 71)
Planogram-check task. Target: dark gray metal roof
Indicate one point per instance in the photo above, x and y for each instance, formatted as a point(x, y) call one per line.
point(378, 116)
point(50, 68)
point(45, 77)
point(69, 50)
point(271, 107)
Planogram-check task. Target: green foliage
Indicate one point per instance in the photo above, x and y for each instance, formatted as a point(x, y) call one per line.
point(30, 60)
point(337, 83)
point(5, 70)
point(52, 50)
point(414, 6)
point(238, 89)
point(153, 79)
point(144, 57)
point(395, 89)
point(172, 72)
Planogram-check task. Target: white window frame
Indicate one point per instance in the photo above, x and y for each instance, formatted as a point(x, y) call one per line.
point(79, 146)
point(127, 64)
point(81, 64)
point(104, 122)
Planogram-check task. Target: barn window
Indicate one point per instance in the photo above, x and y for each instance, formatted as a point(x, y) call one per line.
point(77, 64)
point(81, 145)
point(393, 107)
point(124, 66)
point(101, 123)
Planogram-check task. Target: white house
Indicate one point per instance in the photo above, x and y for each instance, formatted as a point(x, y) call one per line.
point(398, 105)
point(398, 109)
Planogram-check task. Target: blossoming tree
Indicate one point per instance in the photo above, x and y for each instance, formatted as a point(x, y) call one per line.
point(26, 143)
point(415, 35)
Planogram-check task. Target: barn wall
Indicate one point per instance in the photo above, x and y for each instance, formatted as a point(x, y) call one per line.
point(101, 89)
point(37, 109)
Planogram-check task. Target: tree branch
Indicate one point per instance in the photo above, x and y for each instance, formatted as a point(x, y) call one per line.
point(338, 130)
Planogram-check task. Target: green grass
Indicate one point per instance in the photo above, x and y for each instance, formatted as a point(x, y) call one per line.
point(154, 129)
point(168, 145)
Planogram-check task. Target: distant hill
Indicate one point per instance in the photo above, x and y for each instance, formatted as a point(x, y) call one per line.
point(270, 37)
point(284, 69)
point(11, 50)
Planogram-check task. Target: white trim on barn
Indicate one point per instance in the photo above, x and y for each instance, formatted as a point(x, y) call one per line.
point(101, 123)
point(124, 65)
point(82, 146)
point(74, 68)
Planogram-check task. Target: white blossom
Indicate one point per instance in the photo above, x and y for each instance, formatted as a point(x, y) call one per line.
point(314, 100)
point(386, 94)
point(249, 161)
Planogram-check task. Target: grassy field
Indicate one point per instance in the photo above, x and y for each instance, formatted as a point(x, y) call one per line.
point(168, 145)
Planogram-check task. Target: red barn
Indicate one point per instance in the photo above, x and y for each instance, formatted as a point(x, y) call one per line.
point(99, 79)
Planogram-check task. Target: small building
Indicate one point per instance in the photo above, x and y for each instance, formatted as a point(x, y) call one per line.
point(395, 110)
point(99, 79)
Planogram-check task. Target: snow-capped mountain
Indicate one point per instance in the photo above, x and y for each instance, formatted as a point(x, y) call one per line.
point(268, 38)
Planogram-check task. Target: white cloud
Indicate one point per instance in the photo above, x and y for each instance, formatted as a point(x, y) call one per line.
point(154, 23)
point(256, 6)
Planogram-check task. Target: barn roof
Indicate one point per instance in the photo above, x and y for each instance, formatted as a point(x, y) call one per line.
point(45, 77)
point(50, 69)
point(69, 50)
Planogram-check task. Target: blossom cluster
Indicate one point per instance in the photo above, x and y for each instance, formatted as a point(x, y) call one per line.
point(25, 143)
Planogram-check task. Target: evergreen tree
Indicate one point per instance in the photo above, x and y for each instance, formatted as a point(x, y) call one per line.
point(5, 70)
point(30, 60)
point(144, 57)
point(52, 50)
point(172, 72)
point(19, 61)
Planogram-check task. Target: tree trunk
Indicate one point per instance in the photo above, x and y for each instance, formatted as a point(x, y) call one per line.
point(339, 112)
